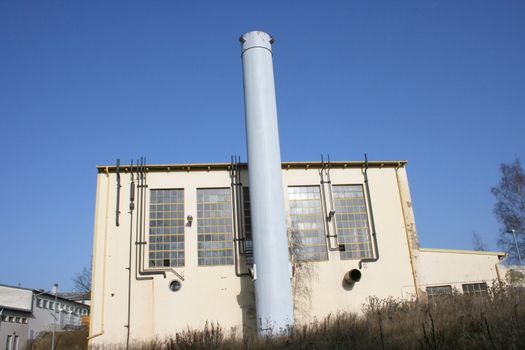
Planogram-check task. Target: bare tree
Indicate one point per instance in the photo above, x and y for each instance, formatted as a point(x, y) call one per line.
point(82, 280)
point(477, 242)
point(510, 207)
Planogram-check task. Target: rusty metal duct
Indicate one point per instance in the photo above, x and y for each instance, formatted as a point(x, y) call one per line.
point(273, 291)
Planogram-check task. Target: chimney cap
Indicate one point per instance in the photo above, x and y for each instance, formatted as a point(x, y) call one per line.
point(256, 39)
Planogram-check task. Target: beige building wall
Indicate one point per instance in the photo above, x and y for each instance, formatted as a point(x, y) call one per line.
point(513, 275)
point(390, 275)
point(216, 294)
point(208, 293)
point(457, 267)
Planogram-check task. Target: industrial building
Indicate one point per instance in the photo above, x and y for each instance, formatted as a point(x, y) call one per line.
point(262, 245)
point(24, 313)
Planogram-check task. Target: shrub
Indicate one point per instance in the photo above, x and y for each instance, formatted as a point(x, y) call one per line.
point(492, 321)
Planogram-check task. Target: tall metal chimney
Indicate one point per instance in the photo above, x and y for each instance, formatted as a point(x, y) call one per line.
point(273, 289)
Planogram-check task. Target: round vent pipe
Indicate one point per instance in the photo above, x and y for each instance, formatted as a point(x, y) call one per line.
point(353, 276)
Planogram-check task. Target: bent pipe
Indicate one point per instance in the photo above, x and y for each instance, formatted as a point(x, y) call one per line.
point(239, 196)
point(140, 243)
point(142, 228)
point(242, 222)
point(138, 225)
point(325, 167)
point(372, 221)
point(235, 185)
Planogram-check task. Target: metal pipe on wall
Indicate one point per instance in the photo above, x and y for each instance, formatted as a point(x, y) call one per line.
point(238, 241)
point(328, 206)
point(368, 199)
point(117, 210)
point(273, 289)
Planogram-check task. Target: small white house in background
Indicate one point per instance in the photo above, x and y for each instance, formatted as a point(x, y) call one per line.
point(187, 231)
point(27, 312)
point(79, 297)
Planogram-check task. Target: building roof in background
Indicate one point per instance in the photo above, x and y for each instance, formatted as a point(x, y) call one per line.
point(21, 299)
point(16, 298)
point(75, 296)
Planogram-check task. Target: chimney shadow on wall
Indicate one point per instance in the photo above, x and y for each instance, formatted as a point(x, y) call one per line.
point(246, 300)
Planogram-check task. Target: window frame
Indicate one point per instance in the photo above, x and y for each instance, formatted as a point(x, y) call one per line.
point(8, 342)
point(434, 295)
point(173, 254)
point(336, 218)
point(322, 255)
point(229, 259)
point(483, 288)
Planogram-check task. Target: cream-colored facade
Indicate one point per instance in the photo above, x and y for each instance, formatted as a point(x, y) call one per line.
point(144, 306)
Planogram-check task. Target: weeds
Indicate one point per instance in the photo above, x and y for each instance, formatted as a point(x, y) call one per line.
point(492, 321)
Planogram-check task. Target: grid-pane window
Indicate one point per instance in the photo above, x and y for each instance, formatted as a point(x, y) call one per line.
point(437, 291)
point(475, 288)
point(166, 228)
point(352, 221)
point(307, 223)
point(214, 226)
point(246, 211)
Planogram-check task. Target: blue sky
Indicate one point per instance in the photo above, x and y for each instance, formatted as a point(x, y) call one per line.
point(438, 83)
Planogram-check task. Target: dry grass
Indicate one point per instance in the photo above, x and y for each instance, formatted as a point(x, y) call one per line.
point(71, 340)
point(495, 321)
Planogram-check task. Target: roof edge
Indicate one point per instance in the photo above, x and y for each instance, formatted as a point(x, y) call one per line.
point(37, 293)
point(284, 165)
point(462, 251)
point(6, 307)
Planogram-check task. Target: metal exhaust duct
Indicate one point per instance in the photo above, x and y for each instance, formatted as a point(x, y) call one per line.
point(273, 289)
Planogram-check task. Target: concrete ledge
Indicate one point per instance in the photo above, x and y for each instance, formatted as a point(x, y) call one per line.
point(460, 251)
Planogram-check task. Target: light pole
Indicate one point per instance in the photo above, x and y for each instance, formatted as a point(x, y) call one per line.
point(513, 231)
point(55, 291)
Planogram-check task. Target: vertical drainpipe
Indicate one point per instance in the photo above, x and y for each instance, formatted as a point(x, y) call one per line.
point(273, 289)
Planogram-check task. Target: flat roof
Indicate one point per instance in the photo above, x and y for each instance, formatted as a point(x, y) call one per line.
point(284, 165)
point(15, 298)
point(461, 251)
point(38, 292)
